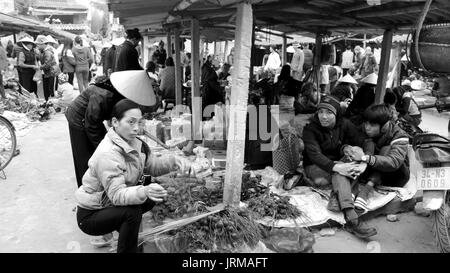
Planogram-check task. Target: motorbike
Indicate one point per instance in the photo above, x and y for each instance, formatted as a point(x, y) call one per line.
point(433, 153)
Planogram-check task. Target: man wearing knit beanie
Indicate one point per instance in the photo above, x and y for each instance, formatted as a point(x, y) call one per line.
point(325, 137)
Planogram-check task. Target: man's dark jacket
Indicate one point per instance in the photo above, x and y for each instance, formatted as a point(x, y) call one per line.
point(127, 57)
point(88, 111)
point(323, 146)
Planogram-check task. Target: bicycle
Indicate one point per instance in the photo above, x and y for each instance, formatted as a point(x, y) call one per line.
point(8, 144)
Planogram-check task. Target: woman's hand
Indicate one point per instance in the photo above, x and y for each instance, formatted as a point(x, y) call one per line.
point(155, 192)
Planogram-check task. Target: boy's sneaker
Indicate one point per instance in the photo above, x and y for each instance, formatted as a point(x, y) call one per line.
point(333, 203)
point(361, 229)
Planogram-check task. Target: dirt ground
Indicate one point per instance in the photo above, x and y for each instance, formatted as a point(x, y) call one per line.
point(37, 212)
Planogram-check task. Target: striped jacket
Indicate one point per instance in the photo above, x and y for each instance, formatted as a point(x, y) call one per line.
point(396, 157)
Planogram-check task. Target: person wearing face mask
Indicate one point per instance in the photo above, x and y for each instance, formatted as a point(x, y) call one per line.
point(127, 57)
point(325, 137)
point(111, 197)
point(27, 64)
point(386, 153)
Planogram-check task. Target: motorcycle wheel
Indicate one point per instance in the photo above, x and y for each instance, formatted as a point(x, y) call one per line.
point(441, 226)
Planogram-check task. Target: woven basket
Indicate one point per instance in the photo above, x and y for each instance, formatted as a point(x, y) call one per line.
point(286, 157)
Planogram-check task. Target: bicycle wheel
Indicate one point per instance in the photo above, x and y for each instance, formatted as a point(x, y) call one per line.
point(7, 142)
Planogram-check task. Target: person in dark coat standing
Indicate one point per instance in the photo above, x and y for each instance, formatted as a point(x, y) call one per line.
point(85, 116)
point(27, 64)
point(160, 55)
point(110, 56)
point(127, 57)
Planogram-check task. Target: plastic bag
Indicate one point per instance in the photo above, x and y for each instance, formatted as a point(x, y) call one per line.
point(290, 240)
point(37, 76)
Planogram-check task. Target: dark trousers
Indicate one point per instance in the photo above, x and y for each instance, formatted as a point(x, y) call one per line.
point(82, 150)
point(49, 86)
point(2, 88)
point(344, 188)
point(344, 71)
point(26, 80)
point(71, 76)
point(125, 220)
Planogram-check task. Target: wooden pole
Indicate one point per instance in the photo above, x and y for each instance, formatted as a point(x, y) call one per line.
point(169, 44)
point(384, 66)
point(195, 77)
point(178, 69)
point(284, 51)
point(365, 42)
point(238, 111)
point(317, 57)
point(399, 67)
point(251, 55)
point(225, 52)
point(14, 37)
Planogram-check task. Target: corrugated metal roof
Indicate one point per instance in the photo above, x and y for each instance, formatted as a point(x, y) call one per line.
point(289, 16)
point(13, 23)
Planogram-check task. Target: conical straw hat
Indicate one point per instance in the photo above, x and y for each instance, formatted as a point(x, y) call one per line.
point(371, 79)
point(50, 39)
point(135, 85)
point(348, 79)
point(26, 39)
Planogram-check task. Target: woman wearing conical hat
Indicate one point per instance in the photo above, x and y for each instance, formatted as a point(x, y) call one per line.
point(27, 64)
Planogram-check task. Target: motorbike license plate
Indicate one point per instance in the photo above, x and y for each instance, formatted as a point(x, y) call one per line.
point(433, 179)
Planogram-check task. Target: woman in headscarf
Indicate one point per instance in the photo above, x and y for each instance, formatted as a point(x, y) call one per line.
point(369, 64)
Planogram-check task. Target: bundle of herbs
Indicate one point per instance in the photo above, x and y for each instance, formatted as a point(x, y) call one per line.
point(274, 206)
point(179, 203)
point(225, 231)
point(251, 186)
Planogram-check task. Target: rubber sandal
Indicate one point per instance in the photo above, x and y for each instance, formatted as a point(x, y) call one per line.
point(101, 242)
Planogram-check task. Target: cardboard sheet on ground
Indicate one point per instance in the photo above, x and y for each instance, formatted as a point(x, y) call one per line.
point(314, 205)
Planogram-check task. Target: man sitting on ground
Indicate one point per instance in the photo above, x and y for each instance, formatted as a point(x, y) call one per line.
point(324, 138)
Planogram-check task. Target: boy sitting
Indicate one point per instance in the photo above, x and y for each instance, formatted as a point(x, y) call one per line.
point(386, 153)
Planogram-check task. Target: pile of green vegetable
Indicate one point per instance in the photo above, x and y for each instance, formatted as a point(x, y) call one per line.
point(221, 232)
point(274, 206)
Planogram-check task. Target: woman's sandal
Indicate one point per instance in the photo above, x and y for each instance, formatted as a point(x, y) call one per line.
point(105, 240)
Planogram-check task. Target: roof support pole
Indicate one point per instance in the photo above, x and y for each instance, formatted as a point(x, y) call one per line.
point(195, 77)
point(317, 58)
point(284, 51)
point(252, 55)
point(384, 66)
point(178, 69)
point(238, 110)
point(225, 52)
point(169, 44)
